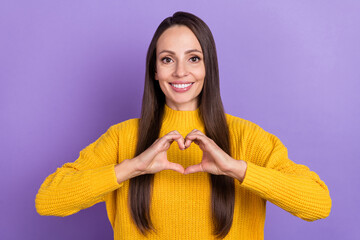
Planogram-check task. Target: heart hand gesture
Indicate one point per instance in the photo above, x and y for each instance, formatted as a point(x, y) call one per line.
point(154, 159)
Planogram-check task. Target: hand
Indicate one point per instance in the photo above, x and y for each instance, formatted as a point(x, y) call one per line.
point(154, 159)
point(214, 160)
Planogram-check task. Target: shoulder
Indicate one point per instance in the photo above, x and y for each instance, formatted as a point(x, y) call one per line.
point(258, 143)
point(240, 124)
point(126, 128)
point(130, 123)
point(248, 130)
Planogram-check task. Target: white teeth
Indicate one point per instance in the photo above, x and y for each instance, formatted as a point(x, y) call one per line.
point(181, 85)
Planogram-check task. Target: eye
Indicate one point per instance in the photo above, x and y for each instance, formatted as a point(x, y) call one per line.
point(166, 60)
point(195, 59)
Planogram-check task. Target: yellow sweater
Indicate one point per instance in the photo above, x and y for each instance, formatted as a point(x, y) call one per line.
point(180, 207)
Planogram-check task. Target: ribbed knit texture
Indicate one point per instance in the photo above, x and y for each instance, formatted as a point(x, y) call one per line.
point(180, 205)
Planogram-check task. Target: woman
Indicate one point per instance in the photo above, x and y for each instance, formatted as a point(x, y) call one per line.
point(213, 183)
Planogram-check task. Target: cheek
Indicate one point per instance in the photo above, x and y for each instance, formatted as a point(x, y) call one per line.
point(162, 74)
point(201, 86)
point(164, 86)
point(200, 75)
point(199, 72)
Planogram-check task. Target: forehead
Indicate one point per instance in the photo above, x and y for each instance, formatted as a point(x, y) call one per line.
point(178, 37)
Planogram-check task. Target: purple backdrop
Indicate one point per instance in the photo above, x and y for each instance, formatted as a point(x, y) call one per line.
point(71, 69)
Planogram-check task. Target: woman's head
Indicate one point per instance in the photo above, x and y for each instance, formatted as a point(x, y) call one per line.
point(182, 21)
point(180, 69)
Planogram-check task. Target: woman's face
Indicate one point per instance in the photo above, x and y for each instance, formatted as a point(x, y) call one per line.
point(180, 67)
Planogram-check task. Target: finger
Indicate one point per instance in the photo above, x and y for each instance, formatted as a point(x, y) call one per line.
point(194, 169)
point(163, 143)
point(176, 137)
point(196, 130)
point(181, 143)
point(176, 167)
point(172, 132)
point(188, 140)
point(187, 143)
point(180, 140)
point(196, 138)
point(170, 137)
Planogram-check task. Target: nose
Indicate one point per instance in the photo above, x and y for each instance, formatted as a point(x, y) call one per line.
point(180, 69)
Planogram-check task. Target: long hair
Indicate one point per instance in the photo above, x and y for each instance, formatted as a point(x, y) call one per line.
point(212, 114)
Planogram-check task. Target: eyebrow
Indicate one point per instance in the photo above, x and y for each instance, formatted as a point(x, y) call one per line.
point(188, 51)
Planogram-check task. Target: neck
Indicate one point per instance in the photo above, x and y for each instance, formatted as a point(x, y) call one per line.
point(191, 106)
point(181, 119)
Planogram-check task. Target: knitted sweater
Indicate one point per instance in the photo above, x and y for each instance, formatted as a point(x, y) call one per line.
point(180, 204)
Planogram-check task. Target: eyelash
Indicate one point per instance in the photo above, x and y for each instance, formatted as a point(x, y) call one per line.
point(198, 59)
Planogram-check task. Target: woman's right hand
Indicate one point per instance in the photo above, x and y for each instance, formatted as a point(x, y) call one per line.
point(152, 160)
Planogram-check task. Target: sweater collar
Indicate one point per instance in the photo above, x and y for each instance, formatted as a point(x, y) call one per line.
point(181, 118)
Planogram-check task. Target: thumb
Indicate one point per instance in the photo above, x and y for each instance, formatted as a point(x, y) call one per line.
point(194, 169)
point(176, 167)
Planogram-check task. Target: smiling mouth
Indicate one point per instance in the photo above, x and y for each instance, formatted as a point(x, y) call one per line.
point(181, 86)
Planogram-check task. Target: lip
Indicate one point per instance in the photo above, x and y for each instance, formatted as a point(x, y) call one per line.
point(181, 90)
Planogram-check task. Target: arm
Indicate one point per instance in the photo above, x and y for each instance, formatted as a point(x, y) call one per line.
point(266, 171)
point(83, 183)
point(94, 174)
point(273, 176)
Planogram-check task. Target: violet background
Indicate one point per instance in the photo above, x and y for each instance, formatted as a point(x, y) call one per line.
point(71, 69)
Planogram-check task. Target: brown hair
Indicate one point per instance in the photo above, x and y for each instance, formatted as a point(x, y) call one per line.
point(212, 113)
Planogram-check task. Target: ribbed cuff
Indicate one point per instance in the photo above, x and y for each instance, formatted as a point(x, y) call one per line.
point(104, 180)
point(257, 179)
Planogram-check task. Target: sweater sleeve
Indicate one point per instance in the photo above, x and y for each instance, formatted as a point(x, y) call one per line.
point(274, 177)
point(82, 183)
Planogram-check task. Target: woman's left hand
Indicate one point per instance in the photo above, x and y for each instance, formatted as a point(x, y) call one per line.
point(214, 160)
